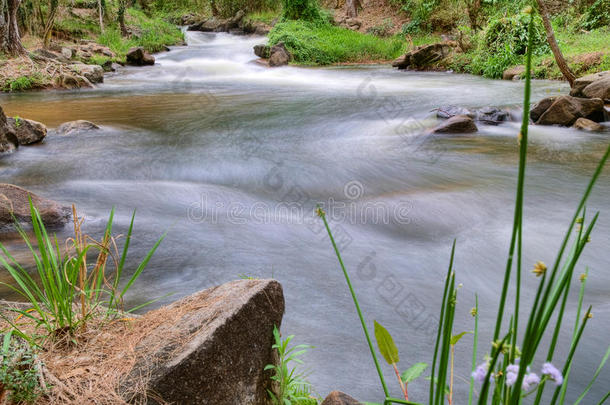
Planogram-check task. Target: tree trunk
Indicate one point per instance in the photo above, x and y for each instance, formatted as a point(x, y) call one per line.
point(122, 9)
point(214, 7)
point(352, 8)
point(100, 9)
point(550, 37)
point(10, 40)
point(48, 29)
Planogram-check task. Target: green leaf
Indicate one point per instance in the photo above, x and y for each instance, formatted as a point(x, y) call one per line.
point(456, 338)
point(414, 372)
point(388, 349)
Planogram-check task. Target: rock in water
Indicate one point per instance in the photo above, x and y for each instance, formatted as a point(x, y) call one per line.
point(598, 89)
point(460, 124)
point(565, 110)
point(279, 55)
point(448, 111)
point(139, 57)
point(93, 73)
point(582, 82)
point(262, 51)
point(541, 107)
point(584, 124)
point(8, 139)
point(492, 115)
point(513, 73)
point(339, 398)
point(15, 200)
point(73, 127)
point(423, 56)
point(228, 334)
point(27, 131)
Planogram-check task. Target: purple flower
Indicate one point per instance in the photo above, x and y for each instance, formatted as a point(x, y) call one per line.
point(480, 372)
point(552, 372)
point(529, 381)
point(512, 371)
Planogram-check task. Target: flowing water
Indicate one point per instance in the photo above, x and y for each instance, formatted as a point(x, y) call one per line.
point(230, 158)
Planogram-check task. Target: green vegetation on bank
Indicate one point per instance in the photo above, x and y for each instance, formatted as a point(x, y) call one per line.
point(324, 44)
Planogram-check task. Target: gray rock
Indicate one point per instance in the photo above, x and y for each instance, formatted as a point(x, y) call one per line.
point(460, 124)
point(339, 398)
point(8, 141)
point(139, 57)
point(15, 201)
point(423, 56)
point(448, 111)
point(279, 55)
point(27, 132)
point(565, 110)
point(598, 89)
point(584, 124)
point(66, 53)
point(582, 82)
point(93, 73)
point(74, 127)
point(492, 115)
point(223, 344)
point(262, 51)
point(515, 71)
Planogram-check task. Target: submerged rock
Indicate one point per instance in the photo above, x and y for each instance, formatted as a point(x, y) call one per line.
point(139, 57)
point(460, 124)
point(27, 132)
point(584, 124)
point(339, 398)
point(565, 110)
point(279, 55)
point(225, 338)
point(14, 201)
point(73, 127)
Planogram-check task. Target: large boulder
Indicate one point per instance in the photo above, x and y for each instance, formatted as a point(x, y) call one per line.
point(74, 127)
point(93, 73)
point(584, 124)
point(582, 82)
point(27, 132)
point(514, 73)
point(541, 107)
point(279, 55)
point(8, 139)
point(460, 124)
point(14, 201)
point(215, 352)
point(139, 57)
point(340, 398)
point(565, 110)
point(598, 89)
point(423, 56)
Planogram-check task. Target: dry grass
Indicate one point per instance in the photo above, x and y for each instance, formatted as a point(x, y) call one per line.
point(90, 366)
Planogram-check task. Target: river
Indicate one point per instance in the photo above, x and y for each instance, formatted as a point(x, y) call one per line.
point(230, 158)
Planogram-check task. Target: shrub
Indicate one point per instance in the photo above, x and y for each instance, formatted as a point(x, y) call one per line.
point(305, 10)
point(18, 375)
point(597, 16)
point(512, 32)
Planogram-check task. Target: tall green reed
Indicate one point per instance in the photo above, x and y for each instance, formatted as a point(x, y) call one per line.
point(506, 376)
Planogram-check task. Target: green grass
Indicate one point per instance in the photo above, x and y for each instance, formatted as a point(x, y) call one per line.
point(266, 17)
point(22, 83)
point(322, 44)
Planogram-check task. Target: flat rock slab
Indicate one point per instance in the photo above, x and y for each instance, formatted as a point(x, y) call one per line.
point(223, 345)
point(15, 201)
point(340, 398)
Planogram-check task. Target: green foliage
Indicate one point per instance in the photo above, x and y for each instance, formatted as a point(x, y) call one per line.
point(18, 374)
point(414, 372)
point(22, 83)
point(512, 32)
point(420, 11)
point(66, 290)
point(386, 344)
point(383, 29)
point(304, 10)
point(597, 16)
point(291, 385)
point(324, 44)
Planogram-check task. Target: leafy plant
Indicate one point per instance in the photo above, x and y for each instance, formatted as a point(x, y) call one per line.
point(305, 10)
point(68, 289)
point(19, 378)
point(291, 387)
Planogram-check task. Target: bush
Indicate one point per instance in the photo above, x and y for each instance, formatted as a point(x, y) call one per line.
point(597, 16)
point(305, 10)
point(18, 375)
point(317, 44)
point(512, 32)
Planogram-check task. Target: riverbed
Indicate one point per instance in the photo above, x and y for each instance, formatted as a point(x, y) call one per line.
point(230, 158)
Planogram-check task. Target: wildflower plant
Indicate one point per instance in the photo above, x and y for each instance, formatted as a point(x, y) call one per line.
point(509, 373)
